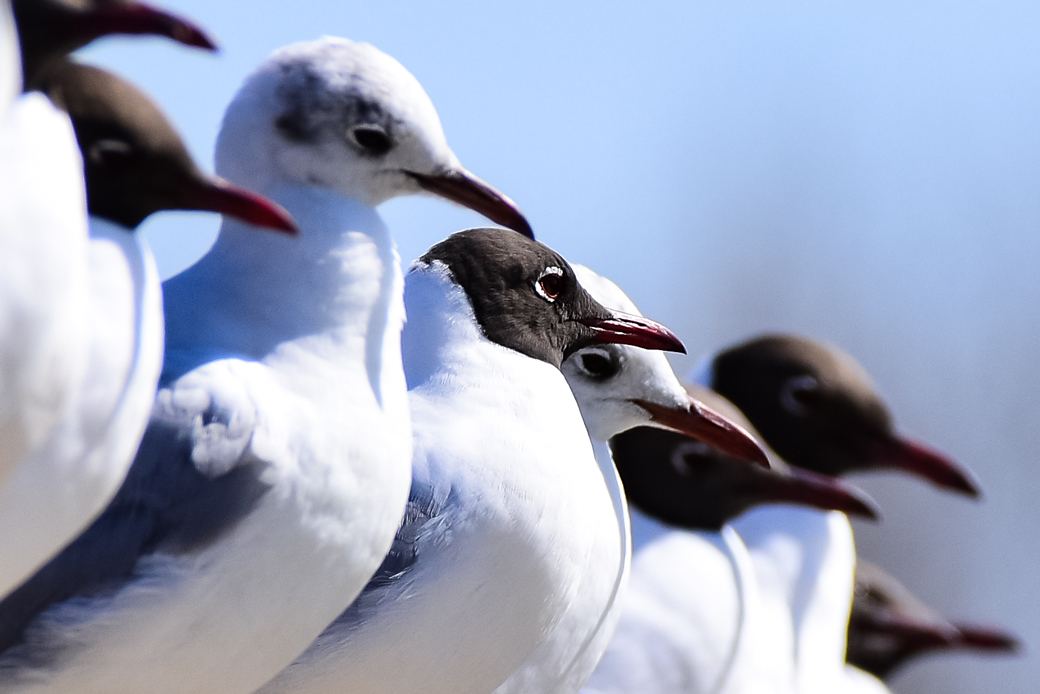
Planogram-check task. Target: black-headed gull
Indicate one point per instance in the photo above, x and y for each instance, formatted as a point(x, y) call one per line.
point(617, 387)
point(889, 627)
point(817, 408)
point(134, 165)
point(692, 620)
point(507, 498)
point(47, 314)
point(43, 225)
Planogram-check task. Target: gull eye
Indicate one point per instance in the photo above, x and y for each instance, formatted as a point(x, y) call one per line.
point(109, 152)
point(598, 363)
point(800, 394)
point(372, 138)
point(550, 283)
point(686, 453)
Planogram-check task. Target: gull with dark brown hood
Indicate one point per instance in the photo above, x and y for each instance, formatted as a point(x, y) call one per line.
point(818, 409)
point(617, 385)
point(817, 406)
point(691, 484)
point(134, 165)
point(889, 627)
point(511, 531)
point(44, 283)
point(693, 619)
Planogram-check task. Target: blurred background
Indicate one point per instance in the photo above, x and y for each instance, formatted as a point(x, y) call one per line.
point(862, 172)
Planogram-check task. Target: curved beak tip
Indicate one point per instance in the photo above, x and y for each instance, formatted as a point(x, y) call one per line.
point(144, 18)
point(193, 36)
point(701, 423)
point(864, 507)
point(988, 638)
point(629, 329)
point(921, 460)
point(463, 188)
point(217, 195)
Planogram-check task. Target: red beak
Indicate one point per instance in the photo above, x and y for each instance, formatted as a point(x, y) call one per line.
point(217, 195)
point(987, 638)
point(924, 635)
point(700, 422)
point(463, 188)
point(630, 329)
point(138, 18)
point(916, 458)
point(824, 492)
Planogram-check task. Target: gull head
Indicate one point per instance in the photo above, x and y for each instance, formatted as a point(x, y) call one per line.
point(619, 387)
point(817, 408)
point(344, 116)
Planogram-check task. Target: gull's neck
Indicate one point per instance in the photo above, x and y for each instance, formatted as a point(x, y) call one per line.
point(331, 290)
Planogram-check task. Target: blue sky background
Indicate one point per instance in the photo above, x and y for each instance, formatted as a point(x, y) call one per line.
point(863, 172)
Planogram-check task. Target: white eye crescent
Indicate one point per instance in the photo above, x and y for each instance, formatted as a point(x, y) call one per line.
point(550, 283)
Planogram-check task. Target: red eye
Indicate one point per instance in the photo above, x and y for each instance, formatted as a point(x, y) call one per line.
point(550, 284)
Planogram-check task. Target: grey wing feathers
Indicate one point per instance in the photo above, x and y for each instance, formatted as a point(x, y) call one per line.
point(192, 480)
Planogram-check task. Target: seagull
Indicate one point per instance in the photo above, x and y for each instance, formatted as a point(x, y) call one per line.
point(276, 464)
point(44, 263)
point(817, 408)
point(617, 387)
point(692, 620)
point(134, 165)
point(43, 224)
point(507, 497)
point(889, 627)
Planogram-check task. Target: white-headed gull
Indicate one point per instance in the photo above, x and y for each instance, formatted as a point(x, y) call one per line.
point(507, 498)
point(692, 619)
point(617, 387)
point(276, 465)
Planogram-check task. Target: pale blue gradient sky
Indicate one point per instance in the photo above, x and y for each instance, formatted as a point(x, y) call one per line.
point(864, 172)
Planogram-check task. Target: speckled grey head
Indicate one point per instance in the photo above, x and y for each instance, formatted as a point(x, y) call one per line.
point(619, 387)
point(347, 117)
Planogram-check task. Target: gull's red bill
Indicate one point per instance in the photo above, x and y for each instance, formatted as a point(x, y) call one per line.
point(217, 195)
point(913, 457)
point(139, 18)
point(630, 329)
point(824, 492)
point(700, 422)
point(987, 638)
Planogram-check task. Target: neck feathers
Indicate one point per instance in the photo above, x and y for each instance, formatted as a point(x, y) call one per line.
point(254, 291)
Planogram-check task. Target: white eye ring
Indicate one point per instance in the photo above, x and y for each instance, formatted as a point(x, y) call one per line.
point(551, 270)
